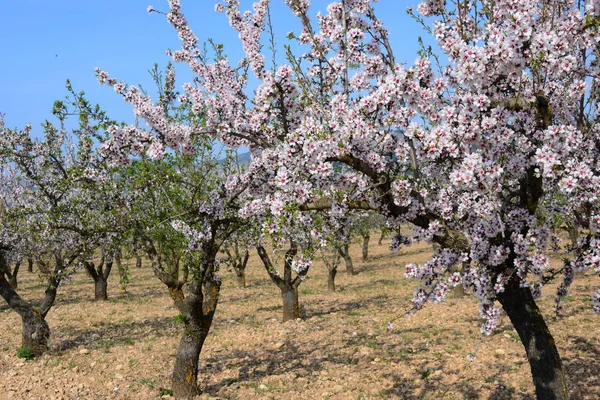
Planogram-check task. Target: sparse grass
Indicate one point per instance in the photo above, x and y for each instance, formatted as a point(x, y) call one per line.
point(25, 353)
point(148, 382)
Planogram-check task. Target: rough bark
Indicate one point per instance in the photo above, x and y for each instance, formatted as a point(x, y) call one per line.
point(30, 265)
point(12, 276)
point(198, 309)
point(332, 272)
point(366, 236)
point(545, 363)
point(100, 289)
point(291, 308)
point(344, 252)
point(138, 261)
point(36, 331)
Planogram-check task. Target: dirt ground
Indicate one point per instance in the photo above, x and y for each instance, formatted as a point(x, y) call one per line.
point(341, 349)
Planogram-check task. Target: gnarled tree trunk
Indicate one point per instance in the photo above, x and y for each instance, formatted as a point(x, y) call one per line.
point(36, 331)
point(545, 363)
point(198, 309)
point(287, 284)
point(239, 261)
point(99, 274)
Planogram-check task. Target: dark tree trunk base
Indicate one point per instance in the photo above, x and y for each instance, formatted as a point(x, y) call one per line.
point(100, 290)
point(36, 333)
point(546, 367)
point(331, 280)
point(291, 309)
point(185, 371)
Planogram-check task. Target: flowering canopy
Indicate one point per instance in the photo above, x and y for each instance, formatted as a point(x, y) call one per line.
point(487, 157)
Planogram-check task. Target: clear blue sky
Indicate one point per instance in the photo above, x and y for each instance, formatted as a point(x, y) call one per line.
point(45, 42)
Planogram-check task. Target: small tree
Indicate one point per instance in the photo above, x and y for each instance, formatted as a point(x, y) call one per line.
point(294, 272)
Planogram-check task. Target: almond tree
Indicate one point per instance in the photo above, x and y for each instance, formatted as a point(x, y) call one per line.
point(62, 204)
point(481, 156)
point(184, 207)
point(296, 233)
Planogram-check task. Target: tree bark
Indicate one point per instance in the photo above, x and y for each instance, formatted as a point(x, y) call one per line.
point(344, 251)
point(365, 246)
point(36, 331)
point(332, 272)
point(545, 363)
point(138, 261)
point(100, 289)
point(12, 276)
point(198, 308)
point(287, 284)
point(99, 274)
point(30, 265)
point(291, 309)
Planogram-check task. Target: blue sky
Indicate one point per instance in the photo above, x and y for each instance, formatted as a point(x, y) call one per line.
point(46, 42)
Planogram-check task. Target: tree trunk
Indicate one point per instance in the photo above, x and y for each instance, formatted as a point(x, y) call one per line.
point(380, 241)
point(198, 308)
point(185, 371)
point(291, 309)
point(100, 289)
point(546, 367)
point(331, 279)
point(138, 261)
point(30, 265)
point(36, 333)
point(365, 246)
point(35, 329)
point(241, 278)
point(12, 278)
point(345, 253)
point(100, 275)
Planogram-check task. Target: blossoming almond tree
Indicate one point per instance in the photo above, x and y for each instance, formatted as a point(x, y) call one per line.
point(184, 209)
point(483, 157)
point(50, 210)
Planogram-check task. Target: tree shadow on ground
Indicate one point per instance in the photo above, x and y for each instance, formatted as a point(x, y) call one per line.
point(583, 370)
point(348, 306)
point(411, 389)
point(113, 334)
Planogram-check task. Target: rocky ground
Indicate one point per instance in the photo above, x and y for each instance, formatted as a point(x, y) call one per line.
point(341, 349)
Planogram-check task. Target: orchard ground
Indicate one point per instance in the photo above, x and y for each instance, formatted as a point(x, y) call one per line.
point(341, 349)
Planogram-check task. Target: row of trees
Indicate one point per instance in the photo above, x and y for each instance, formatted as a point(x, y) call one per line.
point(66, 207)
point(488, 156)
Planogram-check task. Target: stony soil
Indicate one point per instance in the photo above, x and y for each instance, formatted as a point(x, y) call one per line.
point(341, 349)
